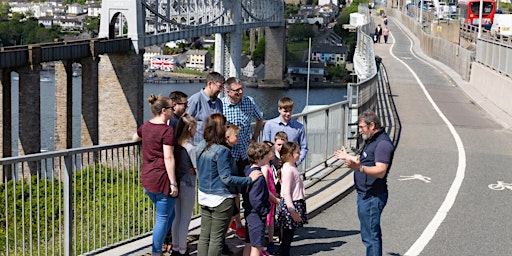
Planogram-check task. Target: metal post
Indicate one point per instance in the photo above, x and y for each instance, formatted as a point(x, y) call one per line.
point(480, 18)
point(307, 82)
point(421, 14)
point(68, 215)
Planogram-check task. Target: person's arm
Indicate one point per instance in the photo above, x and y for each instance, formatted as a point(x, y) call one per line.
point(257, 130)
point(266, 135)
point(265, 170)
point(287, 184)
point(170, 168)
point(136, 137)
point(303, 145)
point(383, 153)
point(224, 169)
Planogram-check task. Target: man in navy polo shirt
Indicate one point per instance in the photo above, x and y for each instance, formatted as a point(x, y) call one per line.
point(371, 168)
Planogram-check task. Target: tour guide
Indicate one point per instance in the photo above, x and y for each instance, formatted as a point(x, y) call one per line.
point(371, 168)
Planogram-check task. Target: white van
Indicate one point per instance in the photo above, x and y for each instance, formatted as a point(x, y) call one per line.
point(502, 25)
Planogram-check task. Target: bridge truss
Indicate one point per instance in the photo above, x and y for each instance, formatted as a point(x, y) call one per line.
point(151, 22)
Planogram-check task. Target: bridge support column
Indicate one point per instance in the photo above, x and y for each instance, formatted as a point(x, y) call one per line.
point(274, 56)
point(5, 121)
point(120, 102)
point(228, 54)
point(89, 121)
point(63, 105)
point(30, 110)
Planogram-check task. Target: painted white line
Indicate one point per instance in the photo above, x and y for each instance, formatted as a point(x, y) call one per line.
point(447, 204)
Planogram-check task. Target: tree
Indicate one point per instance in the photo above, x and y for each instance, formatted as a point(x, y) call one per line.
point(5, 9)
point(259, 52)
point(299, 31)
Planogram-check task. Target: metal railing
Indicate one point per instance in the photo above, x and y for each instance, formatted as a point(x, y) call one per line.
point(82, 201)
point(73, 201)
point(496, 55)
point(86, 200)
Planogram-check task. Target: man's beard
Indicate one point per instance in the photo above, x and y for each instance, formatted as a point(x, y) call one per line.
point(365, 136)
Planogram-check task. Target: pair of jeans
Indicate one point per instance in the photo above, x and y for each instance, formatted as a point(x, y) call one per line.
point(164, 206)
point(214, 225)
point(369, 209)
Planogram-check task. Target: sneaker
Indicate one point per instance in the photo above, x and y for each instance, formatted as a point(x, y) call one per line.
point(270, 248)
point(226, 250)
point(240, 233)
point(232, 225)
point(175, 253)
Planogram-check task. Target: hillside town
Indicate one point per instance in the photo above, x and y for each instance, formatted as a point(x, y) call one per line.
point(328, 50)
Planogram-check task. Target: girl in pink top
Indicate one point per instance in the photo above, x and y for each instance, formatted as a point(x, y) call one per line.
point(273, 197)
point(292, 208)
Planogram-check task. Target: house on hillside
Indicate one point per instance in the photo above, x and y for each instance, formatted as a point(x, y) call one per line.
point(198, 59)
point(298, 72)
point(329, 54)
point(250, 69)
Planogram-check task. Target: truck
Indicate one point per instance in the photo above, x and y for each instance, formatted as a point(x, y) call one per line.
point(502, 25)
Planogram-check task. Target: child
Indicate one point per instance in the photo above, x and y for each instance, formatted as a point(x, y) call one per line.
point(279, 139)
point(292, 208)
point(256, 200)
point(185, 131)
point(236, 223)
point(268, 173)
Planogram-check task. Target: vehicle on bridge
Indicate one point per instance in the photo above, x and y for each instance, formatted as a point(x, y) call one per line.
point(469, 12)
point(502, 25)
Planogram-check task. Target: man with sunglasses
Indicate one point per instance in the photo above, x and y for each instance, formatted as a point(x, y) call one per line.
point(180, 104)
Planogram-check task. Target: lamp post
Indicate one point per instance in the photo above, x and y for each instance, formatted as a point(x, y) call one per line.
point(480, 18)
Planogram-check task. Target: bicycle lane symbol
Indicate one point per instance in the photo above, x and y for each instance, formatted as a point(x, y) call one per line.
point(500, 186)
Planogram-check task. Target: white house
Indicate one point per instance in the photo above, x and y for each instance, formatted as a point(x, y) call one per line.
point(46, 21)
point(76, 9)
point(198, 59)
point(93, 10)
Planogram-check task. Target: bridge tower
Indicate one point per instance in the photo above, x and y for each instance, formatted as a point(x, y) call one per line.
point(111, 11)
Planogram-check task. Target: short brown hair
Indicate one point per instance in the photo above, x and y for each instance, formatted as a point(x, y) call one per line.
point(257, 151)
point(281, 135)
point(285, 103)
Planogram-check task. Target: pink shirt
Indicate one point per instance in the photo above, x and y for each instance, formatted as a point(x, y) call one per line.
point(292, 186)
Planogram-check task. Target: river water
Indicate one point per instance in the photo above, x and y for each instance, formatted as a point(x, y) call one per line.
point(266, 99)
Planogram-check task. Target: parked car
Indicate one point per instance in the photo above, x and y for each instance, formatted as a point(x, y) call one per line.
point(502, 25)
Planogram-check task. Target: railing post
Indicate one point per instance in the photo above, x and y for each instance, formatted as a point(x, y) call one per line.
point(68, 214)
point(327, 136)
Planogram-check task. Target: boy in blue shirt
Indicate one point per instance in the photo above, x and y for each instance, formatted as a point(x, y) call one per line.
point(256, 200)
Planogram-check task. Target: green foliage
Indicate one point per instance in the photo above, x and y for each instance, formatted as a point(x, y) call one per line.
point(92, 24)
point(5, 9)
point(22, 30)
point(290, 9)
point(108, 206)
point(336, 73)
point(299, 31)
point(259, 51)
point(295, 50)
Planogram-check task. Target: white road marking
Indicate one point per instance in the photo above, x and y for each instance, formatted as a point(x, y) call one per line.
point(416, 177)
point(449, 200)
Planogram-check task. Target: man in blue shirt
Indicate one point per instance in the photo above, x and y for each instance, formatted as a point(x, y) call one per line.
point(371, 168)
point(284, 122)
point(205, 102)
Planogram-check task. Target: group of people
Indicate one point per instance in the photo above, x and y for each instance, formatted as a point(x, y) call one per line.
point(208, 141)
point(380, 31)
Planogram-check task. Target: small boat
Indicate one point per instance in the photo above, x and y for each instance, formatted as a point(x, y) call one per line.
point(45, 79)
